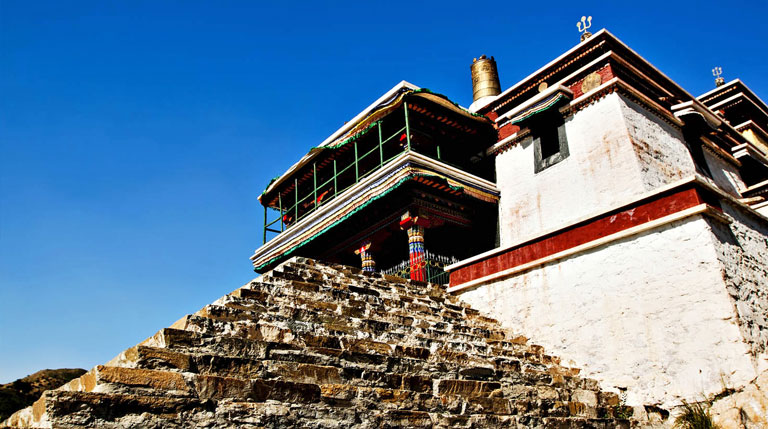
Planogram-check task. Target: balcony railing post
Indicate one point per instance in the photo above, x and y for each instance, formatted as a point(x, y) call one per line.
point(381, 150)
point(296, 206)
point(280, 206)
point(357, 174)
point(264, 241)
point(438, 152)
point(335, 184)
point(407, 129)
point(314, 184)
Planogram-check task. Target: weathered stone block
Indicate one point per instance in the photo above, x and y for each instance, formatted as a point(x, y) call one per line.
point(465, 388)
point(307, 373)
point(161, 380)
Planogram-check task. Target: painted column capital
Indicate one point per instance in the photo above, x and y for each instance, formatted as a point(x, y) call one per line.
point(366, 257)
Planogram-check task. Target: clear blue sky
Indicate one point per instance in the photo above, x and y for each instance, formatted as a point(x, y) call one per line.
point(135, 136)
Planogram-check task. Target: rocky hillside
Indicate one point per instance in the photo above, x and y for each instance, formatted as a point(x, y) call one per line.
point(24, 391)
point(311, 345)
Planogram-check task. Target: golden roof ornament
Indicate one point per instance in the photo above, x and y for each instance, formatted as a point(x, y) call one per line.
point(583, 25)
point(485, 78)
point(716, 72)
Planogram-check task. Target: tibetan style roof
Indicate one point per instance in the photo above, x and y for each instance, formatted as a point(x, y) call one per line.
point(741, 107)
point(596, 53)
point(721, 95)
point(391, 100)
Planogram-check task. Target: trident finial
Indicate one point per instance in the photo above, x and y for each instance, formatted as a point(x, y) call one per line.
point(716, 72)
point(583, 25)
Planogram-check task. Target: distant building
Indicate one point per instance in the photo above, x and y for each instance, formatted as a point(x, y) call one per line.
point(595, 206)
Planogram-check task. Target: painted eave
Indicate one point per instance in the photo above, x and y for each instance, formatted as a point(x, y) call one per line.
point(350, 194)
point(533, 100)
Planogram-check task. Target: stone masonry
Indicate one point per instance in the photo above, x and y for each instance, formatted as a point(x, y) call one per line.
point(311, 345)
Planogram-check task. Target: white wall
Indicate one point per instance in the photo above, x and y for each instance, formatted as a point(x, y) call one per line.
point(650, 313)
point(617, 150)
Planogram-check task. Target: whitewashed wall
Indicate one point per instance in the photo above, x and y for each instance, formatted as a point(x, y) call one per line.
point(650, 313)
point(617, 150)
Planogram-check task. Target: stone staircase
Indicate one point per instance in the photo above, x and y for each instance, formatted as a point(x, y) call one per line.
point(328, 346)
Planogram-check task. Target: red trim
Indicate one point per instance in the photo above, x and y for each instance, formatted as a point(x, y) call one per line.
point(507, 130)
point(635, 214)
point(606, 74)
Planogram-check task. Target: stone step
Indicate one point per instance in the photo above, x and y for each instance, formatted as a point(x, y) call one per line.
point(335, 353)
point(265, 291)
point(278, 335)
point(286, 408)
point(313, 345)
point(270, 294)
point(308, 321)
point(154, 358)
point(256, 331)
point(312, 311)
point(302, 383)
point(364, 283)
point(226, 370)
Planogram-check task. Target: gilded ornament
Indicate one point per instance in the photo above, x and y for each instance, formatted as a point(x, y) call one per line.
point(583, 26)
point(592, 81)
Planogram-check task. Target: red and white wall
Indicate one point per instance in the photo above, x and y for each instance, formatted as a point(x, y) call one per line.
point(623, 260)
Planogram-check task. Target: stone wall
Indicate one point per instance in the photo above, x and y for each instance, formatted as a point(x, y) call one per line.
point(662, 155)
point(744, 408)
point(742, 250)
point(649, 313)
point(724, 175)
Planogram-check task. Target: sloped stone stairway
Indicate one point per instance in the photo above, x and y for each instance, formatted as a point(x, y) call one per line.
point(319, 346)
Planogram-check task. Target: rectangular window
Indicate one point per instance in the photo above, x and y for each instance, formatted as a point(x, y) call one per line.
point(550, 144)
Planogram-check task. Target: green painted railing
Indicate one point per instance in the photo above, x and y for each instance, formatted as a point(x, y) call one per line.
point(313, 199)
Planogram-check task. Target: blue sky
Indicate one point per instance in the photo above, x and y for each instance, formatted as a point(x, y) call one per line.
point(136, 136)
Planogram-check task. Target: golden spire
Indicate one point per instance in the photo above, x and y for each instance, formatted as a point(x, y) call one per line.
point(583, 25)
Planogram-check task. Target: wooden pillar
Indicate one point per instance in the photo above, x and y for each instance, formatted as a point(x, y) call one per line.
point(415, 224)
point(416, 253)
point(366, 258)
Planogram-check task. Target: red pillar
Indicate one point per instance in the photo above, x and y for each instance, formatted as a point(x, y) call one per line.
point(415, 225)
point(416, 253)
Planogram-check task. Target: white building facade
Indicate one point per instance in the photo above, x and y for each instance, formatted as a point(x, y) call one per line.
point(632, 234)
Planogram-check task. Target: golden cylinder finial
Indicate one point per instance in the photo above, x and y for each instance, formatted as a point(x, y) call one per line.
point(485, 78)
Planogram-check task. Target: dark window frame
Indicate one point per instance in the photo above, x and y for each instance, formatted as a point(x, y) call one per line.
point(549, 133)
